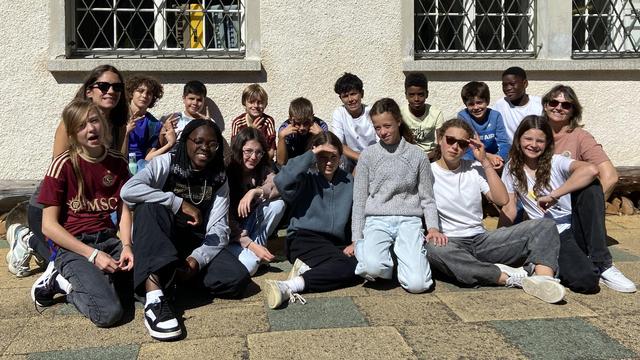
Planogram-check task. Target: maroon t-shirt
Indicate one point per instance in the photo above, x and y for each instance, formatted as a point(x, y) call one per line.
point(103, 180)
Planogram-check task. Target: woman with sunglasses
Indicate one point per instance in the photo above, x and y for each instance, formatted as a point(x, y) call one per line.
point(180, 230)
point(104, 85)
point(469, 253)
point(256, 207)
point(392, 192)
point(564, 113)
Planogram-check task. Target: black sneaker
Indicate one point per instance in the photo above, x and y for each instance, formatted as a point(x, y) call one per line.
point(46, 287)
point(161, 322)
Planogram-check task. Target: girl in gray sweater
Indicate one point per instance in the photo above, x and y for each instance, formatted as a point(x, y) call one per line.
point(393, 191)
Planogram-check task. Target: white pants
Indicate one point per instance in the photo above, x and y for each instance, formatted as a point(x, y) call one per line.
point(406, 235)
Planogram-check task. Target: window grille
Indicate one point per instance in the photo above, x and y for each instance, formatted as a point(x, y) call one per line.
point(474, 28)
point(157, 28)
point(606, 28)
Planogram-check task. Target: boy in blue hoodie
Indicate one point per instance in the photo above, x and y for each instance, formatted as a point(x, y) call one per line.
point(486, 122)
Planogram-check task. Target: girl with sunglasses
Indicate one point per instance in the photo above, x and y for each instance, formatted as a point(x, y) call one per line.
point(469, 253)
point(256, 207)
point(79, 192)
point(563, 111)
point(393, 192)
point(543, 182)
point(181, 230)
point(104, 86)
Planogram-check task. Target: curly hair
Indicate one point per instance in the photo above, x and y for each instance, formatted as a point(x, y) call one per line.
point(451, 123)
point(151, 83)
point(517, 157)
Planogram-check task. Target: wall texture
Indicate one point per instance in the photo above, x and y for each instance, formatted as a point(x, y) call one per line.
point(305, 47)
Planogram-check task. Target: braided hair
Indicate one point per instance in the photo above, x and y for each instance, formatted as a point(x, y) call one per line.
point(181, 163)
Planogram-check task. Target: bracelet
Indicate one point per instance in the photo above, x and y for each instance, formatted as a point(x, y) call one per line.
point(129, 245)
point(92, 257)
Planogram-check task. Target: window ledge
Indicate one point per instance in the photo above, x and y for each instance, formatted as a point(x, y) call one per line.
point(157, 65)
point(457, 65)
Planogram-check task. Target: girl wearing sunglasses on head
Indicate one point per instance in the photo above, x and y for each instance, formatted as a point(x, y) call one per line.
point(256, 207)
point(542, 181)
point(564, 113)
point(393, 191)
point(470, 254)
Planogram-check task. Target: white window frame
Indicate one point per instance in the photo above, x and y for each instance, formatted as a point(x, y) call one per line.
point(62, 60)
point(553, 43)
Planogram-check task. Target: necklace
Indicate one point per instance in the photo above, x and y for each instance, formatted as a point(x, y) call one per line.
point(204, 191)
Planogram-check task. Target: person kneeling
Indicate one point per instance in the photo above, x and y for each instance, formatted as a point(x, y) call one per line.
point(180, 231)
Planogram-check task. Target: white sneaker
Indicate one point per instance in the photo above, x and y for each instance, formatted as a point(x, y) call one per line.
point(161, 322)
point(20, 253)
point(513, 272)
point(277, 292)
point(545, 288)
point(615, 279)
point(298, 268)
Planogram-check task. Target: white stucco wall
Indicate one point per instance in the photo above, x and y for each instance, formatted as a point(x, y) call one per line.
point(305, 47)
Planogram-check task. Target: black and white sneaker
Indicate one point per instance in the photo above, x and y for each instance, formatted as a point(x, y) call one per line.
point(161, 322)
point(46, 287)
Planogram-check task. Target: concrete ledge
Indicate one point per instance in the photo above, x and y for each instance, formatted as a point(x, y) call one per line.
point(156, 65)
point(475, 65)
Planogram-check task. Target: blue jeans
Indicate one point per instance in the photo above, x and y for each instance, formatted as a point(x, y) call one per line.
point(260, 224)
point(406, 235)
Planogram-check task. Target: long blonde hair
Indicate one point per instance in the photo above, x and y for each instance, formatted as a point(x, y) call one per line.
point(74, 117)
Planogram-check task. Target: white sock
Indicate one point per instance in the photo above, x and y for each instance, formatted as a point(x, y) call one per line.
point(64, 284)
point(153, 296)
point(296, 284)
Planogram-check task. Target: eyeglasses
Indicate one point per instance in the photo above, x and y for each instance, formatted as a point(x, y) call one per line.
point(462, 143)
point(212, 145)
point(104, 86)
point(249, 152)
point(564, 104)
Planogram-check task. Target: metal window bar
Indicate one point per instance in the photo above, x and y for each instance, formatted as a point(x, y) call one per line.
point(474, 28)
point(606, 28)
point(158, 29)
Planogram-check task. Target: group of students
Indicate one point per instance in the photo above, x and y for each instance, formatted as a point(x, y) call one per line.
point(392, 190)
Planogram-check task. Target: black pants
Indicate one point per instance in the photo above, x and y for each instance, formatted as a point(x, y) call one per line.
point(583, 248)
point(37, 241)
point(330, 267)
point(160, 248)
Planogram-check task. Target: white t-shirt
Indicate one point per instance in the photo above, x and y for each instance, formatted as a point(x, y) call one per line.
point(513, 115)
point(458, 195)
point(182, 122)
point(356, 133)
point(561, 212)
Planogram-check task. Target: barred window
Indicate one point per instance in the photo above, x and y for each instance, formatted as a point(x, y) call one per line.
point(476, 28)
point(157, 28)
point(606, 28)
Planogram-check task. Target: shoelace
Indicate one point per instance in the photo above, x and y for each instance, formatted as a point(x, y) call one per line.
point(165, 312)
point(293, 297)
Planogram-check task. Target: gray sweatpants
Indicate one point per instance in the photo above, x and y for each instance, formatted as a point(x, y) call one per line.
point(94, 291)
point(471, 260)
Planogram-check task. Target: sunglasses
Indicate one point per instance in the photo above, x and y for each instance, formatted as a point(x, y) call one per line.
point(462, 143)
point(564, 104)
point(104, 86)
point(212, 145)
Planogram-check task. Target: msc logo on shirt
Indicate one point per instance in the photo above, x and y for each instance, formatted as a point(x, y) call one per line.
point(76, 204)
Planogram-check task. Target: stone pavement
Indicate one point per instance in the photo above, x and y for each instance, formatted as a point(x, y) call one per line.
point(362, 322)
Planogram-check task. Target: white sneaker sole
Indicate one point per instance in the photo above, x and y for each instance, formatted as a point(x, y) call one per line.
point(616, 287)
point(295, 269)
point(274, 296)
point(162, 336)
point(547, 291)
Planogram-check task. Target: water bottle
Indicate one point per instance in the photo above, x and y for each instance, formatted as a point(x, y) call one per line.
point(133, 165)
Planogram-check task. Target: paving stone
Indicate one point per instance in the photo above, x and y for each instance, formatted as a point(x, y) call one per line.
point(67, 309)
point(13, 357)
point(317, 313)
point(209, 348)
point(619, 254)
point(561, 339)
point(625, 222)
point(352, 291)
point(78, 332)
point(625, 329)
point(502, 305)
point(16, 303)
point(330, 344)
point(628, 240)
point(9, 329)
point(98, 353)
point(4, 245)
point(410, 310)
point(460, 340)
point(228, 320)
point(10, 281)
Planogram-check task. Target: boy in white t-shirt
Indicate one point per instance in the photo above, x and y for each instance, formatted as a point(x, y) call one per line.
point(516, 104)
point(351, 122)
